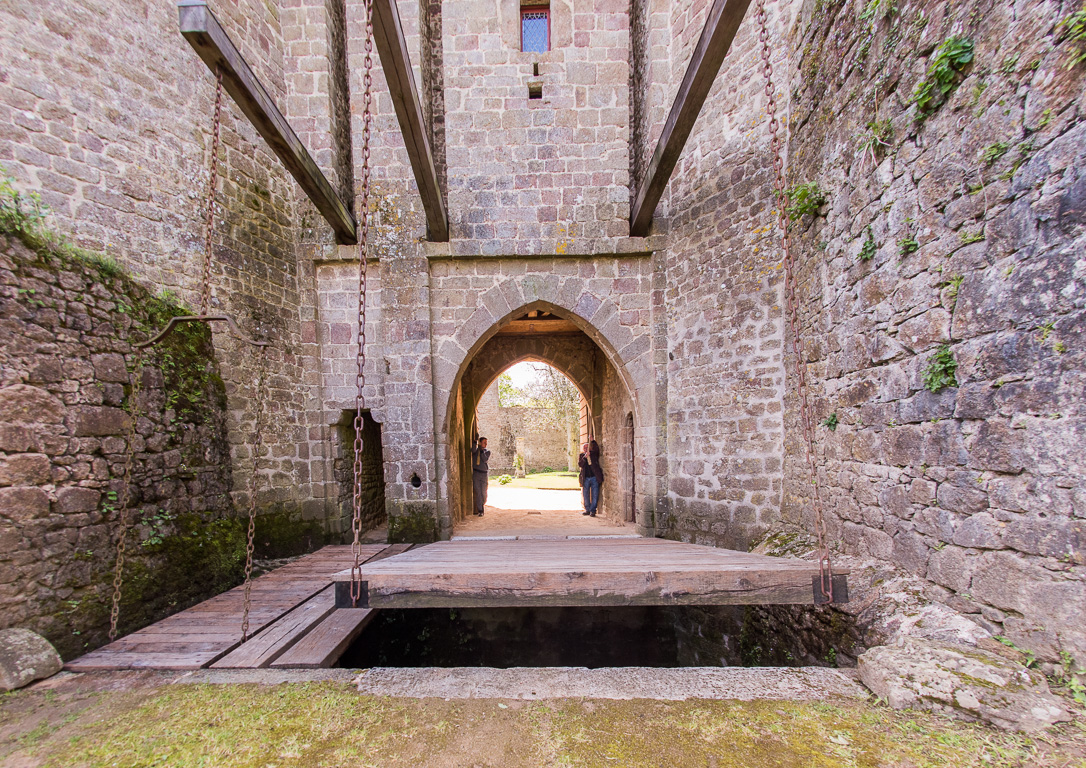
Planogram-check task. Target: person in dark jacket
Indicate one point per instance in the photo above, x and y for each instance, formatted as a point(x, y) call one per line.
point(480, 471)
point(590, 476)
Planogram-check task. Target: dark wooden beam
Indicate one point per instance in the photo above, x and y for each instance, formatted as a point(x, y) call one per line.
point(720, 28)
point(203, 31)
point(396, 63)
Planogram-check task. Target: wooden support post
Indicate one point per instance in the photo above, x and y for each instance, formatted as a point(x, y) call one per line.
point(720, 28)
point(396, 64)
point(203, 31)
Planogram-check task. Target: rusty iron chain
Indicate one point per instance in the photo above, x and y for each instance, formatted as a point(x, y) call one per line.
point(363, 238)
point(258, 448)
point(825, 569)
point(212, 187)
point(126, 495)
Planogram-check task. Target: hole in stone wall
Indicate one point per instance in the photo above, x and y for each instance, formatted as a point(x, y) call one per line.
point(535, 69)
point(416, 481)
point(535, 90)
point(372, 470)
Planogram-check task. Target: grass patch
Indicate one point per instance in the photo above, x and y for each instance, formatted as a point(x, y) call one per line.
point(941, 367)
point(805, 200)
point(329, 724)
point(1073, 29)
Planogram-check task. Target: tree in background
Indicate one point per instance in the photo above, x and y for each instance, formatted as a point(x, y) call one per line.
point(561, 402)
point(509, 394)
point(553, 401)
point(556, 394)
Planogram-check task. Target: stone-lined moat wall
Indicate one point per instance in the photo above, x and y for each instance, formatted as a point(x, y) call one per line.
point(977, 218)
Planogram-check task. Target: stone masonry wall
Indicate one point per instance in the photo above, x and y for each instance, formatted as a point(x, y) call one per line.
point(372, 485)
point(531, 173)
point(725, 327)
point(544, 445)
point(65, 400)
point(975, 217)
point(107, 111)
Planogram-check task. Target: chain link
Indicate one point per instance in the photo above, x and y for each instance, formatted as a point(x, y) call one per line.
point(258, 449)
point(126, 495)
point(825, 570)
point(363, 238)
point(212, 187)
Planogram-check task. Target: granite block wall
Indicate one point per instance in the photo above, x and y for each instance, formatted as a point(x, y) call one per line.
point(107, 111)
point(974, 211)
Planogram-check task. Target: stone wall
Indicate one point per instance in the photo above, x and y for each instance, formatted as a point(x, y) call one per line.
point(528, 174)
point(725, 376)
point(107, 111)
point(66, 381)
point(974, 213)
point(542, 444)
point(612, 299)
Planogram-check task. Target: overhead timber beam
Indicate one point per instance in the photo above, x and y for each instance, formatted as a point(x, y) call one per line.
point(207, 37)
point(720, 28)
point(396, 63)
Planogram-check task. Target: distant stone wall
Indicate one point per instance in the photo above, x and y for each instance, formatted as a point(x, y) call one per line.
point(543, 445)
point(65, 395)
point(976, 217)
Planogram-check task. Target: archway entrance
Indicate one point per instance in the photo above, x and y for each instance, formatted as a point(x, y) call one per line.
point(543, 334)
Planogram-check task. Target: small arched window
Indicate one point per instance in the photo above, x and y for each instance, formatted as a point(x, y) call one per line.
point(535, 28)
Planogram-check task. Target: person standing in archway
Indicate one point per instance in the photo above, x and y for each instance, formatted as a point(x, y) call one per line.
point(480, 474)
point(590, 475)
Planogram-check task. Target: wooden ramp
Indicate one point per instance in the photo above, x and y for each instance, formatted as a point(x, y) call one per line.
point(583, 572)
point(293, 621)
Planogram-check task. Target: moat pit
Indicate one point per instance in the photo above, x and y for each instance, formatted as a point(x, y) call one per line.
point(592, 637)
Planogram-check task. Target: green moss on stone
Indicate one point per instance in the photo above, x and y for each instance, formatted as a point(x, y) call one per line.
point(412, 524)
point(282, 532)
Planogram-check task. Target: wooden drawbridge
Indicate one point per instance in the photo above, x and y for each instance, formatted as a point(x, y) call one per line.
point(302, 616)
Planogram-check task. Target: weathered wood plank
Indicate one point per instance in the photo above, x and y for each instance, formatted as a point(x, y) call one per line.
point(322, 647)
point(271, 643)
point(203, 634)
point(203, 31)
point(396, 65)
point(579, 572)
point(716, 38)
point(135, 660)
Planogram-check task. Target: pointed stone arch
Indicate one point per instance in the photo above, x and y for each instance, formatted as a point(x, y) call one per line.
point(611, 300)
point(484, 353)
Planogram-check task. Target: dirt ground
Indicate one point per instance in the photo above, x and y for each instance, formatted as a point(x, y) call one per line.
point(140, 719)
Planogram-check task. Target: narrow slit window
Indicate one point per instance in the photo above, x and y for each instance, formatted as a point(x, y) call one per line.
point(535, 29)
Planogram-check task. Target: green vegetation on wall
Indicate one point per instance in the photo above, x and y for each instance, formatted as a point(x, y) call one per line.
point(1073, 29)
point(940, 371)
point(945, 73)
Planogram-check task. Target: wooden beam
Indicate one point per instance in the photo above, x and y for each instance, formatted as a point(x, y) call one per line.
point(581, 572)
point(720, 28)
point(396, 63)
point(203, 31)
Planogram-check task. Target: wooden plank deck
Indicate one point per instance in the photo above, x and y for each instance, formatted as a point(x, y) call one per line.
point(322, 647)
point(287, 603)
point(582, 572)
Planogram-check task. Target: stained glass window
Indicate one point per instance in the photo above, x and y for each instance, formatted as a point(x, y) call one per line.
point(534, 30)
